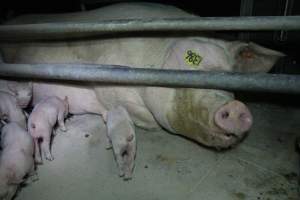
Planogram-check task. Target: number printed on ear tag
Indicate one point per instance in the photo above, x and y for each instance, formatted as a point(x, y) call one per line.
point(192, 58)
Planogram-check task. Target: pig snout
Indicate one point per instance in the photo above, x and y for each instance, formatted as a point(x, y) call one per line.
point(234, 118)
point(23, 100)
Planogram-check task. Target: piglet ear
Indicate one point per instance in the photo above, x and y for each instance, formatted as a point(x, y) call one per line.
point(12, 86)
point(66, 102)
point(251, 57)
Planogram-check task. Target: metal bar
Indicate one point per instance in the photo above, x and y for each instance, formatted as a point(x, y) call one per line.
point(49, 31)
point(155, 77)
point(246, 9)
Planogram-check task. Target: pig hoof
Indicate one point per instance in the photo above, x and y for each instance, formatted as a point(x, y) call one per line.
point(64, 129)
point(33, 178)
point(38, 161)
point(121, 174)
point(49, 157)
point(127, 178)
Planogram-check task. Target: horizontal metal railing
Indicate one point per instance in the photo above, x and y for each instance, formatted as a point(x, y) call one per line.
point(150, 77)
point(155, 77)
point(48, 31)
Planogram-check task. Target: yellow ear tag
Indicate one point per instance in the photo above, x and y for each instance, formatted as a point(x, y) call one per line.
point(192, 58)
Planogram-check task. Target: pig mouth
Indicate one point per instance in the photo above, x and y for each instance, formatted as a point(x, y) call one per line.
point(23, 104)
point(230, 136)
point(222, 139)
point(212, 135)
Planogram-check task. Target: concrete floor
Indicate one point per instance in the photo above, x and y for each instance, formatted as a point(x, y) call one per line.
point(264, 166)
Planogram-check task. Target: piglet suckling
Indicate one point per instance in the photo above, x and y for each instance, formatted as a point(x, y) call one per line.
point(121, 137)
point(10, 111)
point(16, 159)
point(41, 123)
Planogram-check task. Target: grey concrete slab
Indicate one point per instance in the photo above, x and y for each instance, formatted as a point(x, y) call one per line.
point(263, 166)
point(166, 166)
point(235, 179)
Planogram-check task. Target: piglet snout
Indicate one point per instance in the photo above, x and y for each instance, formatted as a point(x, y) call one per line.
point(234, 118)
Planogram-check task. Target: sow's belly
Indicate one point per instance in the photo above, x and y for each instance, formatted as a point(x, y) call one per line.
point(82, 99)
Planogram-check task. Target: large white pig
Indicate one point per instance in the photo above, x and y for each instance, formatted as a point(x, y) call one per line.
point(10, 111)
point(21, 90)
point(16, 159)
point(210, 117)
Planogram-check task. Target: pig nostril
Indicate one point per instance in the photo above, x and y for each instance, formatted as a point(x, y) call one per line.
point(225, 115)
point(242, 115)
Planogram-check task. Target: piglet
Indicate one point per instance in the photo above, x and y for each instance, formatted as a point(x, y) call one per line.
point(41, 122)
point(21, 90)
point(16, 161)
point(121, 137)
point(10, 111)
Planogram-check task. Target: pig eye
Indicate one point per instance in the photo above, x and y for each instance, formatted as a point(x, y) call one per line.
point(225, 115)
point(242, 116)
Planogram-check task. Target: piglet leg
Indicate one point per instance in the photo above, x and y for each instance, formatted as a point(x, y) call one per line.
point(61, 122)
point(37, 154)
point(32, 176)
point(129, 161)
point(108, 143)
point(45, 146)
point(120, 162)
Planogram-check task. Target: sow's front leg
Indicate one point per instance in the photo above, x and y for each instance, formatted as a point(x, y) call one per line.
point(121, 135)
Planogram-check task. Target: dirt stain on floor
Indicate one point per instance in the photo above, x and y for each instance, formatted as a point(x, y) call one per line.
point(239, 195)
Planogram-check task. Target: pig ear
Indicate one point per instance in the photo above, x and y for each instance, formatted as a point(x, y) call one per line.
point(66, 100)
point(250, 57)
point(12, 85)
